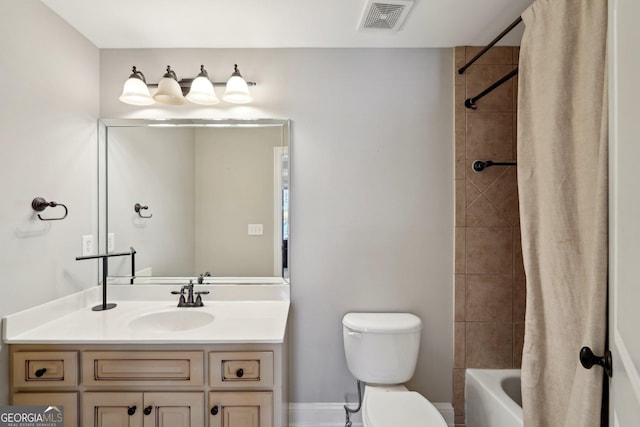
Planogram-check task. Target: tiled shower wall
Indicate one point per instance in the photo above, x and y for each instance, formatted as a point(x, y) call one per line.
point(489, 276)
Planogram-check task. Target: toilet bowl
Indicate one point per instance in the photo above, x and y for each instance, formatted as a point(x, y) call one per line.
point(382, 351)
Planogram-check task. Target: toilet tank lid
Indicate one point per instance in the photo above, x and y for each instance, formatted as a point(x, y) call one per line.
point(382, 322)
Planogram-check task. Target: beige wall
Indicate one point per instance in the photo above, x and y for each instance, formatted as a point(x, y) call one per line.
point(154, 167)
point(234, 188)
point(489, 276)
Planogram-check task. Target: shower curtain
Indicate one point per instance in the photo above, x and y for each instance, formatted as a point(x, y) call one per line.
point(562, 182)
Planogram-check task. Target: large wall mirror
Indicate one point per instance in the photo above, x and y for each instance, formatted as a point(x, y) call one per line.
point(206, 199)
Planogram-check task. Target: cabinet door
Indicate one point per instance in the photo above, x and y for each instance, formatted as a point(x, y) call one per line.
point(112, 409)
point(69, 401)
point(240, 409)
point(175, 409)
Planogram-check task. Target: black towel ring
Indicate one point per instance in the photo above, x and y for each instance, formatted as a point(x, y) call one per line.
point(138, 207)
point(39, 204)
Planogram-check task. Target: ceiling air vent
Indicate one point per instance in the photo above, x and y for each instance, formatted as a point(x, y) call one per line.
point(388, 15)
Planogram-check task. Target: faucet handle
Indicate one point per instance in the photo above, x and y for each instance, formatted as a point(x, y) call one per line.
point(201, 292)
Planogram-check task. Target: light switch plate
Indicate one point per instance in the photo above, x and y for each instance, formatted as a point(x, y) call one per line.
point(255, 230)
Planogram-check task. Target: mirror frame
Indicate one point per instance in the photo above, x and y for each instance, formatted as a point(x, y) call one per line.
point(103, 131)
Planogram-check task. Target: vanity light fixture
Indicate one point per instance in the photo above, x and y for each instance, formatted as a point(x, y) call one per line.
point(237, 90)
point(169, 90)
point(201, 91)
point(135, 90)
point(172, 91)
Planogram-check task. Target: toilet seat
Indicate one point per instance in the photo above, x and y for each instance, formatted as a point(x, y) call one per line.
point(400, 408)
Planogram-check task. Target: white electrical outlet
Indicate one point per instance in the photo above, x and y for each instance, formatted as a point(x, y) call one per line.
point(255, 230)
point(111, 242)
point(88, 245)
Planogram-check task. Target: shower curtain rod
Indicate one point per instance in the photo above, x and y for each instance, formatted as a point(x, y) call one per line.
point(490, 45)
point(471, 102)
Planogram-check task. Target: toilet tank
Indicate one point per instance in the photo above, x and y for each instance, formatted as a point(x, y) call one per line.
point(381, 348)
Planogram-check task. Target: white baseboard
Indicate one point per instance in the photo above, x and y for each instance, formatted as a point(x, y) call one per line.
point(333, 414)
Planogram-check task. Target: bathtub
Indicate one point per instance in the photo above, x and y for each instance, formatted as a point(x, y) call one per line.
point(493, 398)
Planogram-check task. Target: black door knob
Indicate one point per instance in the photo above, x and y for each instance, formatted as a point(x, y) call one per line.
point(41, 372)
point(148, 410)
point(215, 410)
point(132, 410)
point(588, 359)
point(240, 373)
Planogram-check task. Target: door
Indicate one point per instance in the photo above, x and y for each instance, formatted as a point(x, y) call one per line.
point(112, 409)
point(624, 226)
point(172, 409)
point(240, 409)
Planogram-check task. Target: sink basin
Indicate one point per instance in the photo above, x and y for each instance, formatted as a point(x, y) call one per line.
point(171, 321)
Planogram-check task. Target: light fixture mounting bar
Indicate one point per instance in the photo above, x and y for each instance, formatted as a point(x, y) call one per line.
point(187, 82)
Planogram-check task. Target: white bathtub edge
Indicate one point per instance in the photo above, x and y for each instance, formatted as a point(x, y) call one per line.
point(486, 403)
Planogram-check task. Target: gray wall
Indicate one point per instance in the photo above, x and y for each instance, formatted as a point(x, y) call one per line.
point(47, 148)
point(371, 192)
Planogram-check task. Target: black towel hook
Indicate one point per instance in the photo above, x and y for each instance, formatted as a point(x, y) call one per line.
point(138, 207)
point(39, 204)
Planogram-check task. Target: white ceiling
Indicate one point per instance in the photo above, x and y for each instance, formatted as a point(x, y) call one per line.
point(283, 23)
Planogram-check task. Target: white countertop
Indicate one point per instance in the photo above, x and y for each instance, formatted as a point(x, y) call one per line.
point(241, 314)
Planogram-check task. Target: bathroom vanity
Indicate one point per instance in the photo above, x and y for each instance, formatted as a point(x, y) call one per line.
point(148, 363)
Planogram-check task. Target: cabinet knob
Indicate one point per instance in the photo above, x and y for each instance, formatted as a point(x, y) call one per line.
point(132, 410)
point(215, 410)
point(240, 373)
point(41, 372)
point(148, 410)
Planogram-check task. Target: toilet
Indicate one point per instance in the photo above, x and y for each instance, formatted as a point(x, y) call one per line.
point(382, 351)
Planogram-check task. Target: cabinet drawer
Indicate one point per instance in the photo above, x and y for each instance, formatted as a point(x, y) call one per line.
point(142, 368)
point(45, 369)
point(241, 369)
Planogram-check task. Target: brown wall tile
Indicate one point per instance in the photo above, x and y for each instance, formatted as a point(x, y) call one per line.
point(495, 55)
point(490, 282)
point(503, 194)
point(458, 391)
point(460, 153)
point(458, 350)
point(518, 265)
point(490, 137)
point(488, 298)
point(519, 298)
point(488, 250)
point(460, 203)
point(489, 345)
point(480, 77)
point(459, 297)
point(460, 261)
point(518, 343)
point(482, 213)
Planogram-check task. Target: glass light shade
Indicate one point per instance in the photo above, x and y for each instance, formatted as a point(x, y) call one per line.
point(169, 92)
point(237, 91)
point(135, 92)
point(202, 92)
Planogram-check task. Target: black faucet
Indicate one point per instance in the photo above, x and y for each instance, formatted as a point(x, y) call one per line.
point(202, 276)
point(189, 301)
